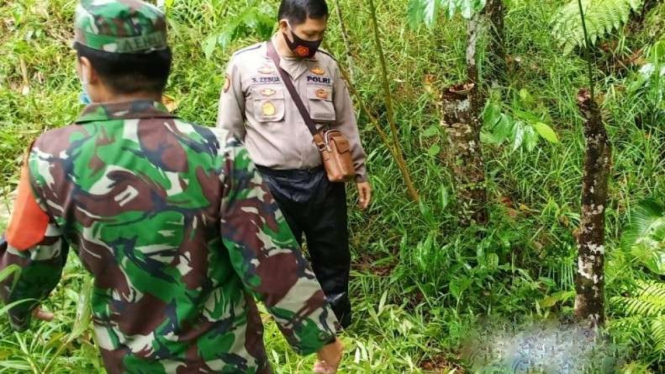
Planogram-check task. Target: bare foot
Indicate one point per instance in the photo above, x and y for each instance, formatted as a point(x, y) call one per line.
point(42, 315)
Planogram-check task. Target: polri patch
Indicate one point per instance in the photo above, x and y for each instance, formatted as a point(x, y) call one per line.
point(319, 80)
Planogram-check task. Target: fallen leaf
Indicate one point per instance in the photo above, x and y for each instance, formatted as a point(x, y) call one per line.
point(428, 82)
point(170, 103)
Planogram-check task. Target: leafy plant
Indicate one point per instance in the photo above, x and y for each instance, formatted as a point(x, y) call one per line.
point(651, 76)
point(257, 19)
point(645, 235)
point(645, 311)
point(602, 17)
point(426, 11)
point(517, 124)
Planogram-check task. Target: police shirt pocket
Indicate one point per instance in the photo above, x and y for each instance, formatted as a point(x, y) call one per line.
point(269, 105)
point(321, 106)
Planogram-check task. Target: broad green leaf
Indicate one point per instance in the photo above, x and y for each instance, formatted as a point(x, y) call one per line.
point(469, 8)
point(431, 131)
point(459, 285)
point(83, 310)
point(504, 128)
point(526, 96)
point(530, 138)
point(434, 150)
point(546, 132)
point(209, 45)
point(488, 138)
point(431, 10)
point(556, 297)
point(445, 197)
point(382, 302)
point(491, 115)
point(645, 220)
point(415, 13)
point(526, 115)
point(227, 36)
point(466, 8)
point(519, 135)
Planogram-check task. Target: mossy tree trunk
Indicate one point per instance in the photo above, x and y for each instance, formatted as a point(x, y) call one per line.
point(460, 121)
point(590, 281)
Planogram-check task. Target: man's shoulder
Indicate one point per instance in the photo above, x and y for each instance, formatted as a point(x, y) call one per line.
point(60, 135)
point(326, 57)
point(248, 52)
point(225, 139)
point(209, 134)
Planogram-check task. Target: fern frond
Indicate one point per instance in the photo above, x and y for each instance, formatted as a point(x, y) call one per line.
point(646, 220)
point(634, 328)
point(649, 302)
point(602, 17)
point(658, 333)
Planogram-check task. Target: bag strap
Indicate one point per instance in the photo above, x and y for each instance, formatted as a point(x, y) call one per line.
point(272, 53)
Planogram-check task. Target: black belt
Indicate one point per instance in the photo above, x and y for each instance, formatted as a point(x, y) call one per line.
point(289, 172)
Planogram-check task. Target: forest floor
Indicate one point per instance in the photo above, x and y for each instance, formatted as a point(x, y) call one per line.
point(429, 295)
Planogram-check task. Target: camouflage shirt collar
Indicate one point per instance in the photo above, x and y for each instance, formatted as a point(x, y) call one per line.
point(138, 109)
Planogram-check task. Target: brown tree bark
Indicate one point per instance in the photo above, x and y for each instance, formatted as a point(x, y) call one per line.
point(474, 31)
point(460, 120)
point(462, 105)
point(590, 281)
point(495, 14)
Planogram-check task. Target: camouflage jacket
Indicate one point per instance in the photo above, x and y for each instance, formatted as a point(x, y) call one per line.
point(180, 234)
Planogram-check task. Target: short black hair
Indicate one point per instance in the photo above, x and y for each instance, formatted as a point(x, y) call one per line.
point(129, 73)
point(297, 11)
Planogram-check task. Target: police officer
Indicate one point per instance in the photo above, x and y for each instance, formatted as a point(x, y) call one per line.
point(256, 105)
point(172, 220)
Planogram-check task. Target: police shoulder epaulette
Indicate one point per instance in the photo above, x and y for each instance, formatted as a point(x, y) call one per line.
point(247, 49)
point(327, 54)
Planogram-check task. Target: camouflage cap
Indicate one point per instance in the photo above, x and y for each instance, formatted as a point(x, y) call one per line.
point(120, 26)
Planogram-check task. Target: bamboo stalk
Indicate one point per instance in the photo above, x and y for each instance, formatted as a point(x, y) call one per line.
point(389, 105)
point(347, 40)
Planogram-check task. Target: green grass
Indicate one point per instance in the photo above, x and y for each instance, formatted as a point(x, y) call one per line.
point(420, 282)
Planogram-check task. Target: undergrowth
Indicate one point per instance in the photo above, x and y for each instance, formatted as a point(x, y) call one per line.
point(420, 282)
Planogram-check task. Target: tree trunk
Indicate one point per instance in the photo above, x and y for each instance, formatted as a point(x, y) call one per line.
point(590, 282)
point(462, 105)
point(460, 120)
point(495, 14)
point(474, 31)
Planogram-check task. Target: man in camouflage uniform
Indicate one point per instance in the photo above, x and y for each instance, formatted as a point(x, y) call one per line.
point(172, 220)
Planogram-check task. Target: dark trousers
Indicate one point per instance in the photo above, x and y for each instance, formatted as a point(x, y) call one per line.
point(314, 206)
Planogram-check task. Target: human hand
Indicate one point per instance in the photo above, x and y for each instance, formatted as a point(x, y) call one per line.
point(329, 358)
point(365, 194)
